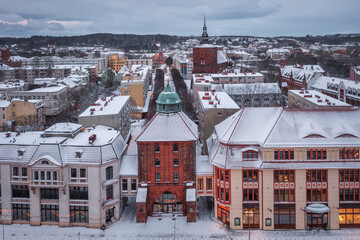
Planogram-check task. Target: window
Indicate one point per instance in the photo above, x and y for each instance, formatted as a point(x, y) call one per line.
point(200, 184)
point(49, 213)
point(316, 154)
point(24, 172)
point(237, 221)
point(176, 162)
point(36, 175)
point(79, 193)
point(21, 212)
point(175, 148)
point(316, 194)
point(109, 192)
point(208, 184)
point(176, 176)
point(82, 173)
point(73, 173)
point(125, 185)
point(133, 184)
point(49, 193)
point(44, 162)
point(232, 152)
point(157, 162)
point(157, 148)
point(349, 154)
point(284, 155)
point(157, 177)
point(55, 176)
point(250, 155)
point(349, 178)
point(20, 191)
point(79, 214)
point(349, 216)
point(15, 171)
point(109, 173)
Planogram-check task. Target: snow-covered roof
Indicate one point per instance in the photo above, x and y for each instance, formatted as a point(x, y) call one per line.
point(4, 103)
point(248, 88)
point(63, 128)
point(203, 165)
point(124, 69)
point(141, 195)
point(299, 72)
point(48, 89)
point(169, 127)
point(324, 82)
point(106, 106)
point(221, 57)
point(294, 127)
point(108, 146)
point(218, 100)
point(190, 195)
point(248, 126)
point(318, 98)
point(129, 166)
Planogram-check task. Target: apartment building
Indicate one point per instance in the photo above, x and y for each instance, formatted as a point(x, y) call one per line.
point(214, 107)
point(253, 94)
point(135, 83)
point(66, 176)
point(138, 61)
point(111, 111)
point(55, 98)
point(344, 90)
point(311, 99)
point(278, 168)
point(25, 113)
point(116, 62)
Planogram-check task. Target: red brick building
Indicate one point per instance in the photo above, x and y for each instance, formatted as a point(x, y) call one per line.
point(208, 58)
point(166, 162)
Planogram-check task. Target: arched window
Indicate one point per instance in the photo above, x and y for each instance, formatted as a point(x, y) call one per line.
point(44, 162)
point(250, 155)
point(109, 173)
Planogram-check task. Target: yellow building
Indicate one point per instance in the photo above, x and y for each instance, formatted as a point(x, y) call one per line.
point(116, 62)
point(25, 113)
point(135, 83)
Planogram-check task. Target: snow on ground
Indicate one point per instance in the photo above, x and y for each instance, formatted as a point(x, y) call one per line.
point(205, 228)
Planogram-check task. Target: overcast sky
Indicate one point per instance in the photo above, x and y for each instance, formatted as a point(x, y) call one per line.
point(21, 18)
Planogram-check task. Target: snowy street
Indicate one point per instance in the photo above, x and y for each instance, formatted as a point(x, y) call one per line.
point(204, 228)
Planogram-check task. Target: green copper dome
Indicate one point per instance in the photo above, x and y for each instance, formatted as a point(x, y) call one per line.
point(168, 101)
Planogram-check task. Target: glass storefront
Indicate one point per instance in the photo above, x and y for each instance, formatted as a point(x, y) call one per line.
point(223, 214)
point(167, 203)
point(284, 216)
point(251, 217)
point(349, 217)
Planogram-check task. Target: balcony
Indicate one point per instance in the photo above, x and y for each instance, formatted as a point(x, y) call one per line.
point(47, 183)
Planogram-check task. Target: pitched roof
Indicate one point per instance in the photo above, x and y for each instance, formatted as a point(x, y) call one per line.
point(169, 127)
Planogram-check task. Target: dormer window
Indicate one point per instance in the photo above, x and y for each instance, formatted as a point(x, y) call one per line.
point(346, 136)
point(21, 152)
point(314, 136)
point(78, 153)
point(250, 155)
point(232, 153)
point(44, 162)
point(221, 151)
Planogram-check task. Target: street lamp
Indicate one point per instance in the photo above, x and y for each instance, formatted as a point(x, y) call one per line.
point(250, 214)
point(2, 221)
point(174, 218)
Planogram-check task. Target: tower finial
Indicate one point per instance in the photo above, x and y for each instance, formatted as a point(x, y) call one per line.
point(205, 36)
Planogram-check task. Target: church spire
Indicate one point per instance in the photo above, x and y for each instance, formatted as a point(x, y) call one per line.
point(205, 36)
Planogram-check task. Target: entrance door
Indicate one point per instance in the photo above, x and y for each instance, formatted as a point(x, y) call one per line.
point(170, 208)
point(317, 220)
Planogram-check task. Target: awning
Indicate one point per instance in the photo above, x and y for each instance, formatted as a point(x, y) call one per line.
point(317, 208)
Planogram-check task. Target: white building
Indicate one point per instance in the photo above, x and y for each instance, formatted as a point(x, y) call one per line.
point(66, 176)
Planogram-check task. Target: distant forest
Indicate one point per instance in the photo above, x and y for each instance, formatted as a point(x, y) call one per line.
point(120, 41)
point(146, 42)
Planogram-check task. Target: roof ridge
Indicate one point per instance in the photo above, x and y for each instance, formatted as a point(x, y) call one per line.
point(187, 124)
point(147, 125)
point(240, 115)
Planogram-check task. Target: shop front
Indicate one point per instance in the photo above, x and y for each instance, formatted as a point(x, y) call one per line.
point(167, 203)
point(223, 214)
